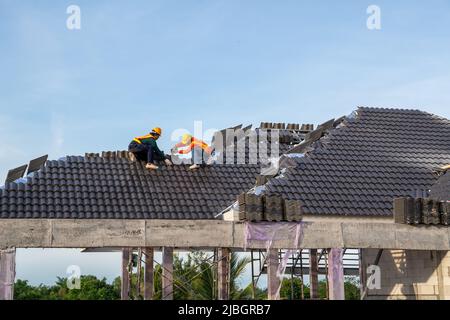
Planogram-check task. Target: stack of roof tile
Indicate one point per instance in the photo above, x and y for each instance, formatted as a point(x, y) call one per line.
point(253, 207)
point(421, 211)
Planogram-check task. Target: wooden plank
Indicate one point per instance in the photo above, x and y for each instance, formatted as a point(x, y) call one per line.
point(336, 274)
point(273, 281)
point(148, 275)
point(224, 273)
point(138, 274)
point(167, 273)
point(313, 274)
point(7, 273)
point(125, 283)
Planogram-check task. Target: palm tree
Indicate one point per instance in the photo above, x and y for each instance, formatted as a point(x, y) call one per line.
point(195, 277)
point(206, 286)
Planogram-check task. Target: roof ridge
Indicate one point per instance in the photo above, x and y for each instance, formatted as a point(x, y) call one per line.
point(389, 109)
point(400, 110)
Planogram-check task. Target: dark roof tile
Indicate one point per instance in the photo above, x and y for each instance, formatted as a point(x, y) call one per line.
point(441, 189)
point(112, 187)
point(367, 161)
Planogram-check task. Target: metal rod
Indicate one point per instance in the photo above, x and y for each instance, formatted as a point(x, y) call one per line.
point(253, 274)
point(302, 287)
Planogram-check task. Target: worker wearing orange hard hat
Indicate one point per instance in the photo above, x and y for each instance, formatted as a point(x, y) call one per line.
point(200, 150)
point(145, 148)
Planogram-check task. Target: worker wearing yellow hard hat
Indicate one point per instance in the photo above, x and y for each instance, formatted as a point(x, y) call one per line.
point(200, 150)
point(145, 148)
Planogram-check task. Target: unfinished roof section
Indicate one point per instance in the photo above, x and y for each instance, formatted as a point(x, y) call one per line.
point(361, 166)
point(111, 186)
point(270, 140)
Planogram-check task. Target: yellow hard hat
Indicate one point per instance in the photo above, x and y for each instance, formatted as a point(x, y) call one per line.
point(157, 130)
point(186, 138)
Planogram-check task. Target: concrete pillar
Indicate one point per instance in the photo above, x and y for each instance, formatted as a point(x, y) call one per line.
point(313, 274)
point(273, 281)
point(223, 274)
point(125, 283)
point(336, 274)
point(7, 273)
point(167, 273)
point(148, 275)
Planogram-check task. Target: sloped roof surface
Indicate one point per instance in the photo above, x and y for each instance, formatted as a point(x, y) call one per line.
point(441, 190)
point(355, 169)
point(359, 167)
point(114, 187)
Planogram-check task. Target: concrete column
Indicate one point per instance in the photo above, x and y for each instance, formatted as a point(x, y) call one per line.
point(125, 283)
point(273, 282)
point(313, 274)
point(167, 273)
point(336, 274)
point(224, 273)
point(7, 273)
point(148, 275)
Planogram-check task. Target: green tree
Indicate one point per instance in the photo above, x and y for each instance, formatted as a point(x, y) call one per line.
point(286, 291)
point(205, 286)
point(25, 291)
point(351, 288)
point(91, 288)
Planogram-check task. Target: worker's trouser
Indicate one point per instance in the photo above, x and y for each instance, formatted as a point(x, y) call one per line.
point(144, 152)
point(199, 156)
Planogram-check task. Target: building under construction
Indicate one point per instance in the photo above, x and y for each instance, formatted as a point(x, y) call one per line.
point(365, 195)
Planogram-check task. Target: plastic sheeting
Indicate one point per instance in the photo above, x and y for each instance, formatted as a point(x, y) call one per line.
point(265, 233)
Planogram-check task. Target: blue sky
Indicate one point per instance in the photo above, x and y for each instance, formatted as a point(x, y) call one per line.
point(137, 64)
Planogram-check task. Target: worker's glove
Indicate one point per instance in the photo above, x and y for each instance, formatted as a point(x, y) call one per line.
point(168, 162)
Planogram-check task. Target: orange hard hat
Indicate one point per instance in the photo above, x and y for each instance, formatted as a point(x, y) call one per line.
point(186, 138)
point(157, 130)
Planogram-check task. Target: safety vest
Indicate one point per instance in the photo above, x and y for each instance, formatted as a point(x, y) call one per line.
point(147, 136)
point(196, 143)
point(199, 143)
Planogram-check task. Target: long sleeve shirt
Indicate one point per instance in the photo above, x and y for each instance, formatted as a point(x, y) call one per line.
point(194, 143)
point(151, 141)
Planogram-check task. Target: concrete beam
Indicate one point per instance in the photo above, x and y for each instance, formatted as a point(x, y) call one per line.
point(125, 279)
point(148, 275)
point(167, 273)
point(223, 276)
point(7, 273)
point(336, 274)
point(273, 281)
point(320, 233)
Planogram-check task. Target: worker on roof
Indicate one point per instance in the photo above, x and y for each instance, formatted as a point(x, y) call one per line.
point(146, 149)
point(201, 151)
